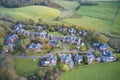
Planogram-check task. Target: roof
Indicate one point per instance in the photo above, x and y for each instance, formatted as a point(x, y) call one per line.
point(34, 46)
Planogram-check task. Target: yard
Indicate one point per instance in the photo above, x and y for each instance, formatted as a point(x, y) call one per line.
point(25, 67)
point(56, 33)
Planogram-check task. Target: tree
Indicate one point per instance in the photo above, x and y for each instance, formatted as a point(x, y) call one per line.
point(2, 32)
point(7, 71)
point(41, 73)
point(101, 38)
point(2, 41)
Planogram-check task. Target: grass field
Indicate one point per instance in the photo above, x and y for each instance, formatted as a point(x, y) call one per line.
point(116, 24)
point(99, 17)
point(33, 12)
point(25, 67)
point(106, 10)
point(67, 4)
point(105, 71)
point(90, 23)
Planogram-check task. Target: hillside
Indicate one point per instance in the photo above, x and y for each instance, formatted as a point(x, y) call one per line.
point(33, 12)
point(67, 4)
point(103, 17)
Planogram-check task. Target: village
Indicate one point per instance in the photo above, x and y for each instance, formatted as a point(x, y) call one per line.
point(75, 56)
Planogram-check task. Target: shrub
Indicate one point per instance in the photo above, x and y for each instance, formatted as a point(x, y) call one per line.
point(64, 67)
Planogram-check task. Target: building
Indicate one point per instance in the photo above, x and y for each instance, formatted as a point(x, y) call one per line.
point(35, 47)
point(90, 57)
point(11, 39)
point(53, 42)
point(67, 59)
point(78, 58)
point(72, 31)
point(49, 61)
point(82, 33)
point(103, 47)
point(107, 56)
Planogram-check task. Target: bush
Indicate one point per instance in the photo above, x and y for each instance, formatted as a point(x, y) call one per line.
point(64, 67)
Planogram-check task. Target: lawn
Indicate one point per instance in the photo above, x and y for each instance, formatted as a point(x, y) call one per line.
point(103, 71)
point(33, 12)
point(67, 4)
point(56, 33)
point(25, 67)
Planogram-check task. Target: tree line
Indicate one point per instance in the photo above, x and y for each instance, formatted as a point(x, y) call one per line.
point(21, 3)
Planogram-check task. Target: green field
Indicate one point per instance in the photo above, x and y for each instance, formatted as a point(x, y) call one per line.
point(25, 67)
point(104, 10)
point(99, 17)
point(116, 24)
point(67, 4)
point(33, 12)
point(105, 71)
point(89, 23)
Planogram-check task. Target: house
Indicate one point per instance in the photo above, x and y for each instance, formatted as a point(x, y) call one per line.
point(90, 57)
point(49, 36)
point(53, 42)
point(9, 47)
point(82, 33)
point(39, 28)
point(42, 33)
point(25, 32)
point(79, 45)
point(69, 39)
point(19, 26)
point(107, 56)
point(62, 29)
point(78, 58)
point(67, 59)
point(35, 47)
point(96, 45)
point(103, 47)
point(78, 41)
point(72, 31)
point(49, 61)
point(66, 39)
point(11, 39)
